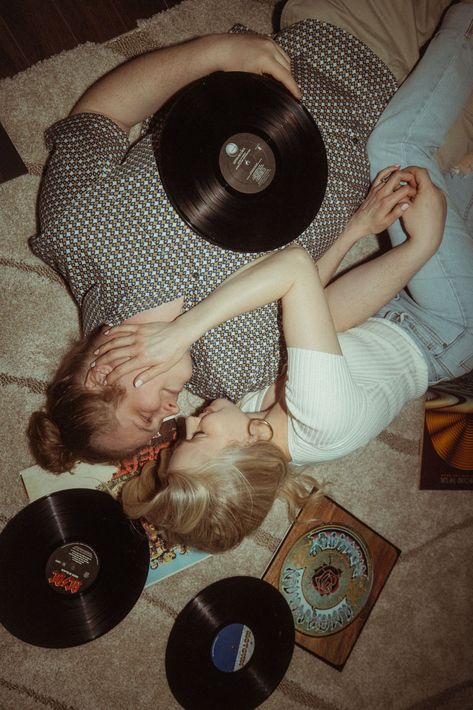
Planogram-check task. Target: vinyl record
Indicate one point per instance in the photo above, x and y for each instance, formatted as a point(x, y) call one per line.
point(242, 161)
point(230, 646)
point(72, 567)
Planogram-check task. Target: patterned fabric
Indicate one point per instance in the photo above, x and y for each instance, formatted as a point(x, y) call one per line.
point(109, 229)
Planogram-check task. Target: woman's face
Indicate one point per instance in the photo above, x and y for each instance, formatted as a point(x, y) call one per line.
point(141, 411)
point(220, 424)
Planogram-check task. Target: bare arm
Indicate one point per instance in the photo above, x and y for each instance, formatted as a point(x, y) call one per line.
point(290, 275)
point(387, 199)
point(362, 291)
point(139, 87)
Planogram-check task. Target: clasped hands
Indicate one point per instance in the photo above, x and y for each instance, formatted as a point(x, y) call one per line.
point(408, 194)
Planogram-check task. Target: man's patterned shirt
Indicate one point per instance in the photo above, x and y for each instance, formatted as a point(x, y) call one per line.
point(109, 229)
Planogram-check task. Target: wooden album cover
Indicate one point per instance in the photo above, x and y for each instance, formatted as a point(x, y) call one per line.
point(447, 445)
point(330, 568)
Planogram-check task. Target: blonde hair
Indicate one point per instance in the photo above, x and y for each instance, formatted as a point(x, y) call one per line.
point(214, 506)
point(69, 426)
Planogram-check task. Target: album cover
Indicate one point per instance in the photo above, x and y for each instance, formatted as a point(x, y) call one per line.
point(330, 568)
point(447, 446)
point(165, 560)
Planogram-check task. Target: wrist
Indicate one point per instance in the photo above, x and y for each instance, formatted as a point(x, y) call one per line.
point(352, 233)
point(190, 326)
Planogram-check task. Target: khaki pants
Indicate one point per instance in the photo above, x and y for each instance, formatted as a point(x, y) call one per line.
point(395, 30)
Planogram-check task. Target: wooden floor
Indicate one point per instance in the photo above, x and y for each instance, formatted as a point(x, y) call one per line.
point(31, 30)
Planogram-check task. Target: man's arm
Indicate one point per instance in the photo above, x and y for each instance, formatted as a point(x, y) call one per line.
point(138, 88)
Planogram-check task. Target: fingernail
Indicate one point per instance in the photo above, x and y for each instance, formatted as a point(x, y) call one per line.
point(96, 352)
point(138, 383)
point(404, 206)
point(92, 364)
point(106, 332)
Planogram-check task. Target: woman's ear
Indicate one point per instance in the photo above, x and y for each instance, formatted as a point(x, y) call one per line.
point(96, 377)
point(260, 430)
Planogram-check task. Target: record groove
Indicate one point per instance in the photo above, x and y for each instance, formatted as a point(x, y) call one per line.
point(230, 646)
point(242, 161)
point(72, 566)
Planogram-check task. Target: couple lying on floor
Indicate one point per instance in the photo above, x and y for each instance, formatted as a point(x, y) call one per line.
point(358, 346)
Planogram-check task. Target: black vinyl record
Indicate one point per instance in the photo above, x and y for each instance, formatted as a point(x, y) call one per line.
point(242, 161)
point(230, 646)
point(72, 567)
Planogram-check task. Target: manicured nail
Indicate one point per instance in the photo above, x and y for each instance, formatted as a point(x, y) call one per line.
point(404, 206)
point(106, 332)
point(96, 352)
point(92, 364)
point(138, 383)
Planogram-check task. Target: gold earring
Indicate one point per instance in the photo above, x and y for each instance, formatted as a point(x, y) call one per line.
point(265, 422)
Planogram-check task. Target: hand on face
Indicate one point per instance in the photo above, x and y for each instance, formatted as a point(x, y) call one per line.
point(151, 348)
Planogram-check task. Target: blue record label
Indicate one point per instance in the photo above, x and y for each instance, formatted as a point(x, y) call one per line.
point(233, 647)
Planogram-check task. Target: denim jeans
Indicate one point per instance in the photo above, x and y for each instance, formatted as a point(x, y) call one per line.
point(436, 309)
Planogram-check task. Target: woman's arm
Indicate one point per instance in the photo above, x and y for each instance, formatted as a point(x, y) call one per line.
point(388, 198)
point(362, 291)
point(289, 275)
point(140, 87)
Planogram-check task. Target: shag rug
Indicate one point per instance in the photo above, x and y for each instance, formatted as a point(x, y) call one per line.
point(415, 650)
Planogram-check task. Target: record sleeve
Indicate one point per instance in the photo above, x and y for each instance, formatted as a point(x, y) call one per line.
point(330, 568)
point(446, 460)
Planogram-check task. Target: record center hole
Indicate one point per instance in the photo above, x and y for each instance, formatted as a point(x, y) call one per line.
point(232, 647)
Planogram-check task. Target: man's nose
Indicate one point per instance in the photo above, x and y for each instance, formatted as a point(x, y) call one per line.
point(169, 406)
point(191, 426)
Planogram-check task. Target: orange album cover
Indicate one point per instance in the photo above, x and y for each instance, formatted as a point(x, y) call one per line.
point(447, 446)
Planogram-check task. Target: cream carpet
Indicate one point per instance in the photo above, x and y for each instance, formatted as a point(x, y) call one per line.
point(416, 648)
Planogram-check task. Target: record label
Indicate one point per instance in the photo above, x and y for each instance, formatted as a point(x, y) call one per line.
point(72, 568)
point(247, 163)
point(233, 647)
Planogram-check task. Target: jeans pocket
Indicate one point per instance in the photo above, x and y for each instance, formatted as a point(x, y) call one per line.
point(425, 336)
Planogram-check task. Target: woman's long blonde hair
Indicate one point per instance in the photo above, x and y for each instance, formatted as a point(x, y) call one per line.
point(215, 505)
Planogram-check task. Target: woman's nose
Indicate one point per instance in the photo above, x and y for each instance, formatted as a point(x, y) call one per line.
point(192, 424)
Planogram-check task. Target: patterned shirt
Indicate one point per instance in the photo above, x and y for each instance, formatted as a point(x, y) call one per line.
point(108, 227)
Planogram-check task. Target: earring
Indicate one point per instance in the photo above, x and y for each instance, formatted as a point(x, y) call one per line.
point(265, 421)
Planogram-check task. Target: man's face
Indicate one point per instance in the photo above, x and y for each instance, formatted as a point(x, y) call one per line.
point(141, 411)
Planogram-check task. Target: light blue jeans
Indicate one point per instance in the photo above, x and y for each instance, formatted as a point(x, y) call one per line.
point(437, 308)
